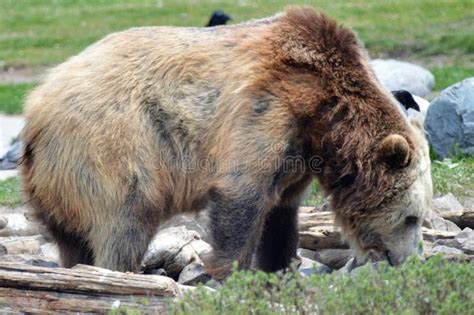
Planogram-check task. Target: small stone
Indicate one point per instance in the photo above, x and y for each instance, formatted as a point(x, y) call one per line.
point(307, 253)
point(3, 222)
point(334, 258)
point(440, 224)
point(445, 250)
point(447, 204)
point(193, 274)
point(49, 251)
point(170, 249)
point(466, 233)
point(309, 267)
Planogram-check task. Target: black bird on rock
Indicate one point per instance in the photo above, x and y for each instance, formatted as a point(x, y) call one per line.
point(218, 18)
point(406, 99)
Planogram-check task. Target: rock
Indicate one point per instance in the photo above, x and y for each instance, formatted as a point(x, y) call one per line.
point(309, 267)
point(333, 258)
point(201, 248)
point(10, 127)
point(19, 225)
point(173, 249)
point(193, 274)
point(445, 250)
point(29, 259)
point(450, 120)
point(437, 223)
point(197, 222)
point(466, 240)
point(447, 205)
point(12, 156)
point(399, 75)
point(466, 233)
point(50, 252)
point(306, 253)
point(21, 244)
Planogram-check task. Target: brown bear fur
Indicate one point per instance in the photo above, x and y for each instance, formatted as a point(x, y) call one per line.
point(154, 121)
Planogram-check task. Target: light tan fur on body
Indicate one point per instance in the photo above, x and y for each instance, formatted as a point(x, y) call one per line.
point(154, 121)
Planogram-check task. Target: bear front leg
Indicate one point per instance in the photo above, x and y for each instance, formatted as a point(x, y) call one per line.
point(278, 244)
point(236, 221)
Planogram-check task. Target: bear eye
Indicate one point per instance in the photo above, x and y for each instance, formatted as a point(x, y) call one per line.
point(411, 220)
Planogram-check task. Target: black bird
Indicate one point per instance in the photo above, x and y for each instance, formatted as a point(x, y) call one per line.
point(218, 18)
point(406, 99)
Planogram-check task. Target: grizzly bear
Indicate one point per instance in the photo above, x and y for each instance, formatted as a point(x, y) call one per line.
point(155, 121)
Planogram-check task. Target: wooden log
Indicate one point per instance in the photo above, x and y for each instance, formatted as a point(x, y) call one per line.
point(46, 302)
point(323, 237)
point(81, 289)
point(308, 220)
point(21, 244)
point(317, 232)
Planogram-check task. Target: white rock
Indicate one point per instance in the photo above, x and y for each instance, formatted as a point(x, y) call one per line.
point(10, 127)
point(440, 224)
point(447, 204)
point(50, 251)
point(399, 75)
point(171, 250)
point(445, 250)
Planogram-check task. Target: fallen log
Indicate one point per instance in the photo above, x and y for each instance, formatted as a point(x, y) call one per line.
point(317, 232)
point(81, 289)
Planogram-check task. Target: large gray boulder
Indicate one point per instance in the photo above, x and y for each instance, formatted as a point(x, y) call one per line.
point(450, 120)
point(400, 75)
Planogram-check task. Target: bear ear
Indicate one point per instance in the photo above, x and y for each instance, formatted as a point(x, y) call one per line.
point(395, 151)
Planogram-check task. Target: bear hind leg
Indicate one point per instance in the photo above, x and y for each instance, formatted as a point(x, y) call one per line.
point(73, 249)
point(121, 247)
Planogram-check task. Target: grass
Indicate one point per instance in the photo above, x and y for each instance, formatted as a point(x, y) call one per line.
point(12, 96)
point(44, 32)
point(10, 193)
point(453, 175)
point(449, 75)
point(434, 287)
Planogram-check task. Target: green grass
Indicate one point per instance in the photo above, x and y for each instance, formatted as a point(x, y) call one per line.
point(10, 193)
point(434, 287)
point(453, 175)
point(12, 96)
point(449, 75)
point(38, 32)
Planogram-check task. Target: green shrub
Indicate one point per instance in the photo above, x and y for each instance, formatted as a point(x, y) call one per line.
point(434, 287)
